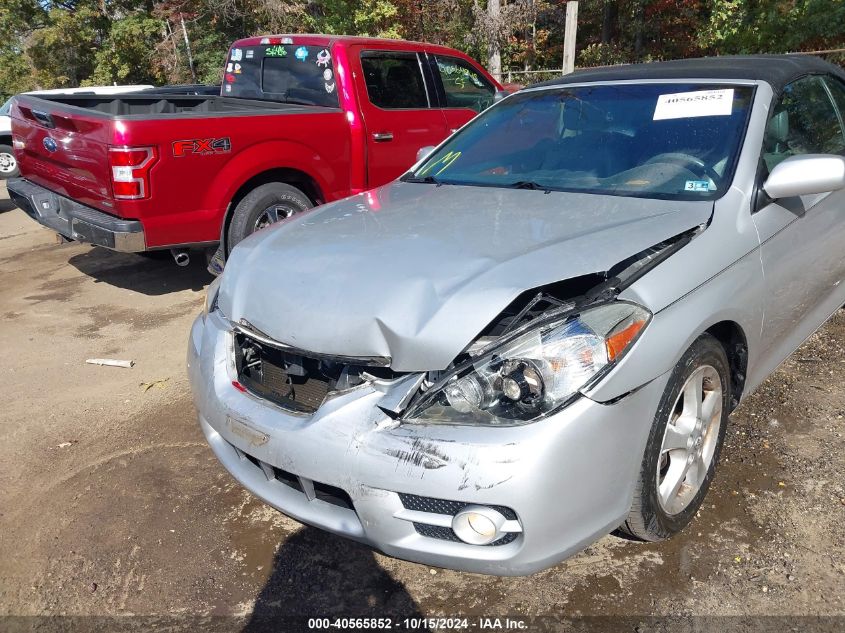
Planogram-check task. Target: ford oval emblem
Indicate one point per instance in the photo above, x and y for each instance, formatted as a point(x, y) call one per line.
point(50, 145)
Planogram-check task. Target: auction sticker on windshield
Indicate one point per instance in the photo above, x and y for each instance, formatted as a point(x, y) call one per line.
point(687, 105)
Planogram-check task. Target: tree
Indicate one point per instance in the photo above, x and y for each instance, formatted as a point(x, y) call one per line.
point(128, 54)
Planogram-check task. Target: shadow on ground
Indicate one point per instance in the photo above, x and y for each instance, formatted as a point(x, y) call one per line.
point(319, 575)
point(151, 274)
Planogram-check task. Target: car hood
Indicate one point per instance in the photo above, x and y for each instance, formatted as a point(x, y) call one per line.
point(415, 271)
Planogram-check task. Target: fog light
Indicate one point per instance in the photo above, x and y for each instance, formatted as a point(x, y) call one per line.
point(478, 525)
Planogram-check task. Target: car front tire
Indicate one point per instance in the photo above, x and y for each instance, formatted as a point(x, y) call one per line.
point(684, 443)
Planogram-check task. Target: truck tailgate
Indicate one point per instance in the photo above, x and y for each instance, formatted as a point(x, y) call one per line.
point(64, 149)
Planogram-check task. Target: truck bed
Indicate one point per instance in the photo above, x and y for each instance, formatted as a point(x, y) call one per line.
point(204, 148)
point(135, 106)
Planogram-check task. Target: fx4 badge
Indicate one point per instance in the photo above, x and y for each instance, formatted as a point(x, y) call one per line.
point(202, 146)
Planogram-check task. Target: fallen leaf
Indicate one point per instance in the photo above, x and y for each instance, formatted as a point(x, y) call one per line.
point(146, 386)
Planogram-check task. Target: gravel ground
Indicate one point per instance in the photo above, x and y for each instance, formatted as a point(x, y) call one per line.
point(111, 504)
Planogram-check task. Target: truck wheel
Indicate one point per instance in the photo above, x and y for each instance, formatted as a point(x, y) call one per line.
point(263, 206)
point(8, 164)
point(684, 444)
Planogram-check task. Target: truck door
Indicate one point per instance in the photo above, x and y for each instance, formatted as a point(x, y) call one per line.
point(399, 111)
point(463, 89)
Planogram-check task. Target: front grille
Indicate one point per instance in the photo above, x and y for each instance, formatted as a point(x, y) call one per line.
point(324, 492)
point(294, 382)
point(451, 508)
point(435, 531)
point(333, 495)
point(444, 506)
point(289, 479)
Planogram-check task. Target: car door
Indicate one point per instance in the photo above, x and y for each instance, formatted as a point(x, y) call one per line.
point(398, 110)
point(463, 89)
point(801, 238)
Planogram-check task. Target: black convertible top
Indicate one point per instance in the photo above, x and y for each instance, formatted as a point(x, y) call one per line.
point(776, 70)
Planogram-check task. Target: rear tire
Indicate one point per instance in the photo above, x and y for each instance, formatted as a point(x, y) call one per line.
point(265, 205)
point(8, 164)
point(680, 462)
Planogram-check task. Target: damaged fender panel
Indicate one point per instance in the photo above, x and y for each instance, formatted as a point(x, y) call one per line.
point(681, 295)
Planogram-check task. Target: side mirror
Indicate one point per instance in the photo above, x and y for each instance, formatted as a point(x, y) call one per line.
point(500, 94)
point(424, 152)
point(806, 175)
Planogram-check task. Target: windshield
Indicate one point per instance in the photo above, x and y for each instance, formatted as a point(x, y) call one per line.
point(282, 72)
point(6, 107)
point(671, 141)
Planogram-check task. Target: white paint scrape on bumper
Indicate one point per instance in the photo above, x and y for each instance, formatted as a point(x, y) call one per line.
point(352, 470)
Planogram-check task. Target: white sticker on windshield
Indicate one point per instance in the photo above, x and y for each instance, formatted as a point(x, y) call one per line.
point(697, 185)
point(687, 105)
point(237, 54)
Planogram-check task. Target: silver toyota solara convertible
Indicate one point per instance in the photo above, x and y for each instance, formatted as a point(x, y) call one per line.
point(536, 335)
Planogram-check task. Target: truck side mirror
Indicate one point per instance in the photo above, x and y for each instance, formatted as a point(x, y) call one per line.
point(424, 152)
point(500, 94)
point(805, 175)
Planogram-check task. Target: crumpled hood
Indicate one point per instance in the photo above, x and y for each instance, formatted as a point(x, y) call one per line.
point(415, 271)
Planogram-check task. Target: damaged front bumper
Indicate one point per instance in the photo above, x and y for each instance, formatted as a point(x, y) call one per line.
point(349, 468)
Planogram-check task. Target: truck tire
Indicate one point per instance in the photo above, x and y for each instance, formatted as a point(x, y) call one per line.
point(8, 164)
point(684, 443)
point(263, 206)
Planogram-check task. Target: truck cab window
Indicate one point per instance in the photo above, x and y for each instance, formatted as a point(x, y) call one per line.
point(465, 87)
point(394, 80)
point(288, 73)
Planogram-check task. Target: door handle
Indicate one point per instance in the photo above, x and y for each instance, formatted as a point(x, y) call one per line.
point(44, 118)
point(383, 137)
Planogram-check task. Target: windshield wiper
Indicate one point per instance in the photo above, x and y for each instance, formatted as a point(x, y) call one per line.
point(429, 180)
point(528, 184)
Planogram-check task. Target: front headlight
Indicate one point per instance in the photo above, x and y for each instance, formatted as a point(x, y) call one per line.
point(535, 373)
point(211, 296)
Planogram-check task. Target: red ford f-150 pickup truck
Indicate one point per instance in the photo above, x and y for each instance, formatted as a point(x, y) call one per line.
point(300, 120)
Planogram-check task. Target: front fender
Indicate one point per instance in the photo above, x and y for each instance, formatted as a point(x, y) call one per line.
point(717, 277)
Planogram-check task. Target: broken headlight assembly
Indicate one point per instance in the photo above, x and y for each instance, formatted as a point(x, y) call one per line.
point(534, 372)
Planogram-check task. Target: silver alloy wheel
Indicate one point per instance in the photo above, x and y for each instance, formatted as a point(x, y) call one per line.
point(273, 214)
point(690, 439)
point(8, 164)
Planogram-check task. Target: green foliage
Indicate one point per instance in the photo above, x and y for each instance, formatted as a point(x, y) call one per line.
point(599, 54)
point(61, 52)
point(377, 18)
point(46, 44)
point(127, 55)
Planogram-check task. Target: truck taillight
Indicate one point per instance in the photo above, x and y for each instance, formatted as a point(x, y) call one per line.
point(130, 171)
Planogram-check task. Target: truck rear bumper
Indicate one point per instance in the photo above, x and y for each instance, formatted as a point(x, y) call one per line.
point(74, 220)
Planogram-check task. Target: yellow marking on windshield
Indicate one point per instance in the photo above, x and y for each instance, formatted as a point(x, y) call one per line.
point(446, 161)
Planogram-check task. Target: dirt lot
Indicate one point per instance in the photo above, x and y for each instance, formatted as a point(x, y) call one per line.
point(111, 504)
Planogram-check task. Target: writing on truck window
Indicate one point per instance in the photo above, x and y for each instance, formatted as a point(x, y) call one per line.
point(464, 86)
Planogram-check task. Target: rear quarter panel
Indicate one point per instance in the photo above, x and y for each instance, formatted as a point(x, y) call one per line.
point(190, 193)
